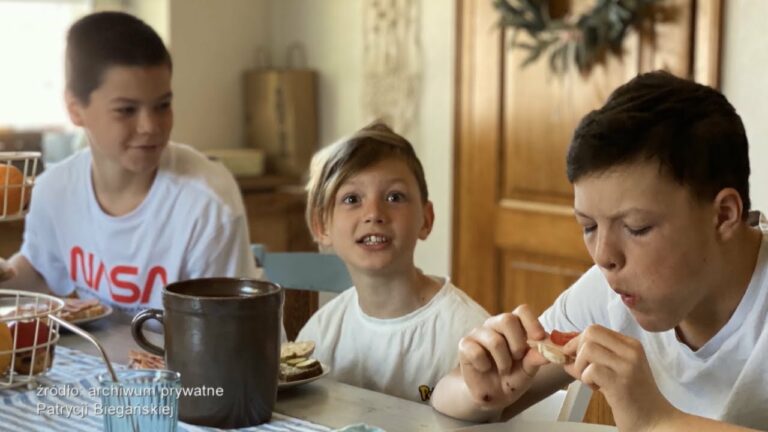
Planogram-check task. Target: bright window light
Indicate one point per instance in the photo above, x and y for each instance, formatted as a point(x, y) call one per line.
point(32, 41)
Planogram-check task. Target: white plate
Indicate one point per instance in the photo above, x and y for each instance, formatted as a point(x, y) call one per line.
point(107, 312)
point(282, 385)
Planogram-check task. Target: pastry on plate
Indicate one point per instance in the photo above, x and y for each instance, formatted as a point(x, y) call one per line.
point(76, 309)
point(299, 368)
point(291, 350)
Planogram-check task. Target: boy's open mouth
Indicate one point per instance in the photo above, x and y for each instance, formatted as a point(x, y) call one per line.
point(629, 299)
point(373, 240)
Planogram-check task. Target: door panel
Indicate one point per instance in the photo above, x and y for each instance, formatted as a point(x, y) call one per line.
point(539, 276)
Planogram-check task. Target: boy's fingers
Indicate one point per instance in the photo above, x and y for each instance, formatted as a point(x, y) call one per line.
point(496, 345)
point(532, 361)
point(508, 325)
point(530, 322)
point(472, 354)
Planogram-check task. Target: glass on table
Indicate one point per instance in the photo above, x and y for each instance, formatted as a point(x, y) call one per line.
point(141, 400)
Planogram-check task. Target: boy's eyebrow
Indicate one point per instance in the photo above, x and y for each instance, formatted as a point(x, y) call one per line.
point(120, 99)
point(617, 215)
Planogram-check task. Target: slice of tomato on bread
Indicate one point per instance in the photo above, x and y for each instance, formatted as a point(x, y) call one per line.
point(552, 347)
point(562, 338)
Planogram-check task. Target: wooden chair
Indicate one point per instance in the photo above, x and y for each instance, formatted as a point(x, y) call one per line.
point(303, 275)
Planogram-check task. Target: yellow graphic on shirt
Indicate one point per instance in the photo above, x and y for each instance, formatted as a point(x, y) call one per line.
point(425, 392)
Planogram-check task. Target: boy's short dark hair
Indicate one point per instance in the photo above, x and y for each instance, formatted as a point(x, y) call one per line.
point(333, 165)
point(104, 39)
point(690, 129)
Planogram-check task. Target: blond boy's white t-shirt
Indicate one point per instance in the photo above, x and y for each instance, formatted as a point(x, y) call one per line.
point(192, 224)
point(726, 379)
point(403, 357)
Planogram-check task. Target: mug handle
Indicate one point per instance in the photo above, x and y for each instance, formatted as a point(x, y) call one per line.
point(138, 334)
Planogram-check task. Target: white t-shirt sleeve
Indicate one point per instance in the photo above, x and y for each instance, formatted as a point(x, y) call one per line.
point(40, 246)
point(223, 250)
point(583, 304)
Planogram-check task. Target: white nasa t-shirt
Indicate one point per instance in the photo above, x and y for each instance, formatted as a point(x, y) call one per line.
point(192, 224)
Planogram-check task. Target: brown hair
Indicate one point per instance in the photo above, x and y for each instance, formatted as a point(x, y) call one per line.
point(101, 40)
point(333, 165)
point(691, 130)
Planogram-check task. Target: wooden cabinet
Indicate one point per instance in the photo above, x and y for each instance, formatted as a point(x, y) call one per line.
point(275, 208)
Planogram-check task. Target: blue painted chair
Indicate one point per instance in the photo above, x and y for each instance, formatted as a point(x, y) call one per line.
point(310, 271)
point(303, 275)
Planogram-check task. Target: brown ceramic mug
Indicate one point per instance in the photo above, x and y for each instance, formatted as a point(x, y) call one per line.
point(223, 336)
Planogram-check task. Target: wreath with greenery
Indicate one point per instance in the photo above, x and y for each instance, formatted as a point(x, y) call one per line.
point(584, 40)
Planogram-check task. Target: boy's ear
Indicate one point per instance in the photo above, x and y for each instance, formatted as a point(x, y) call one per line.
point(320, 231)
point(429, 221)
point(728, 212)
point(74, 108)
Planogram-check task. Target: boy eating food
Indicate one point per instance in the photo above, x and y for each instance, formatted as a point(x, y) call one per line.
point(674, 314)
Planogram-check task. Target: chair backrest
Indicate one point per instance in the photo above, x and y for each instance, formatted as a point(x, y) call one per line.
point(309, 271)
point(575, 403)
point(563, 405)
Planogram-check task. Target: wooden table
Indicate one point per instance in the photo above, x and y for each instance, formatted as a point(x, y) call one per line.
point(326, 402)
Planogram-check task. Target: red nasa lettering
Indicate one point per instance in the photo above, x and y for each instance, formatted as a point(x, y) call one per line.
point(122, 280)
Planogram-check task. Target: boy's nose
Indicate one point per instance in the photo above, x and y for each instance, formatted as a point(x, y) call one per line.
point(148, 123)
point(607, 254)
point(374, 213)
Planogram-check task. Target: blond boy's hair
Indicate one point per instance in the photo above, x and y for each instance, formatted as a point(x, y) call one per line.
point(333, 165)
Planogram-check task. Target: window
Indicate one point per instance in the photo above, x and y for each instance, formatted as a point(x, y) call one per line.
point(32, 41)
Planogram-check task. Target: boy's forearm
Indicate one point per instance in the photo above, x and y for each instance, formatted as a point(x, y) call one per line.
point(26, 278)
point(451, 397)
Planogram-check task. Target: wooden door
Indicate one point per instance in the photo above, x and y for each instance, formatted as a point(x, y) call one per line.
point(515, 238)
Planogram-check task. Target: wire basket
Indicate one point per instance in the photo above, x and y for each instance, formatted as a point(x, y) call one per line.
point(17, 178)
point(28, 336)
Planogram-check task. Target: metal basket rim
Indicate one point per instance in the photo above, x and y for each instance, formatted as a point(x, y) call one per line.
point(14, 156)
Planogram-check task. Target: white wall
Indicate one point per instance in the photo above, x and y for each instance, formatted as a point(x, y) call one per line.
point(745, 60)
point(331, 32)
point(212, 43)
point(154, 13)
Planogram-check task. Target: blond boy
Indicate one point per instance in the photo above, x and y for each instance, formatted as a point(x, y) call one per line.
point(396, 331)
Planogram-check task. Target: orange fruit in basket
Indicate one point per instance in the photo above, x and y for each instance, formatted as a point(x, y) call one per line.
point(11, 180)
point(6, 348)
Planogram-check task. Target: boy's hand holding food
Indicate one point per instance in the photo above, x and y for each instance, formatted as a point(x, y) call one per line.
point(496, 362)
point(616, 365)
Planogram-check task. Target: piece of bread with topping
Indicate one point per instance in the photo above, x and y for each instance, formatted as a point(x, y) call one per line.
point(299, 368)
